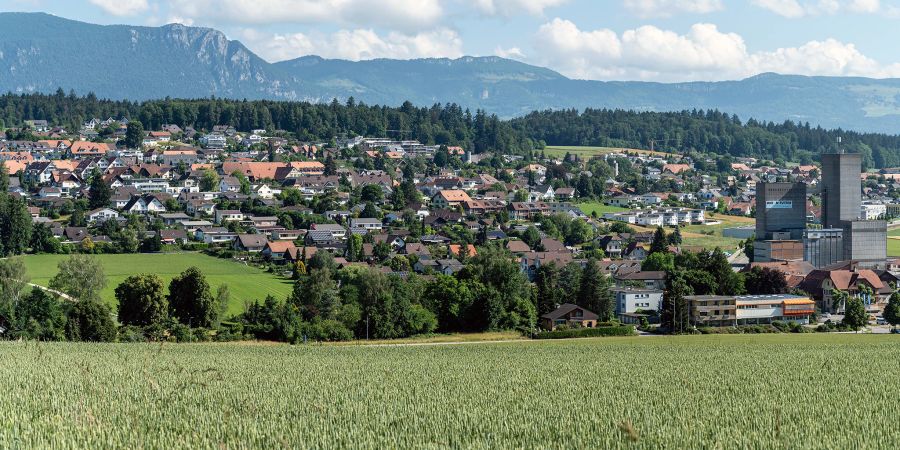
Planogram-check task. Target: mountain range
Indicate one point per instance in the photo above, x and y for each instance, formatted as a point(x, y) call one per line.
point(41, 53)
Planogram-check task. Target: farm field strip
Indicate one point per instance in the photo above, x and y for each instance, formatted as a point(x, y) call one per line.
point(759, 391)
point(244, 282)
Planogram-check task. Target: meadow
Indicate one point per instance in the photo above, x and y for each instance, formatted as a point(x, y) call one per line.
point(585, 152)
point(245, 283)
point(759, 391)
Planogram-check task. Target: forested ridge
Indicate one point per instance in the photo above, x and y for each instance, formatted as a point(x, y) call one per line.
point(685, 131)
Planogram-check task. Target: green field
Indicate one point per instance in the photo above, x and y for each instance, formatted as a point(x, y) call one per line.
point(598, 207)
point(893, 247)
point(694, 234)
point(751, 391)
point(584, 152)
point(245, 283)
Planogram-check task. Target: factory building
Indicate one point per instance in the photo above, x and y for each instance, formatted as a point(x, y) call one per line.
point(780, 221)
point(841, 188)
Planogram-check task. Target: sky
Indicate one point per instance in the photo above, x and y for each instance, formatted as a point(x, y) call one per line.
point(651, 40)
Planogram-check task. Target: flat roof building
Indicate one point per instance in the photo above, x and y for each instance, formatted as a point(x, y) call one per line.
point(841, 188)
point(726, 311)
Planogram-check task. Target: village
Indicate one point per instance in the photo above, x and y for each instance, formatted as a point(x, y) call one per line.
point(264, 198)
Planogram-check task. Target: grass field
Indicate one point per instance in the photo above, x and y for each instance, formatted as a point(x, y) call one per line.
point(590, 207)
point(559, 151)
point(245, 283)
point(893, 246)
point(693, 234)
point(759, 391)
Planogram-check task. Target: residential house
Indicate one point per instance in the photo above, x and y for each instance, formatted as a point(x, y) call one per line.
point(569, 315)
point(252, 243)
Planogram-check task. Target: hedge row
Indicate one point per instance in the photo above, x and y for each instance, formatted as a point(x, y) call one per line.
point(627, 330)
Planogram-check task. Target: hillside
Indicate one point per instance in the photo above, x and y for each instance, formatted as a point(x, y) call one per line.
point(40, 53)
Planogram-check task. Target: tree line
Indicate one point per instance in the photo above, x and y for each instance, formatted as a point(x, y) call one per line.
point(706, 131)
point(447, 124)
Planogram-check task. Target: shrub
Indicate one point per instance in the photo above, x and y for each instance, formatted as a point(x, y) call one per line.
point(627, 330)
point(90, 320)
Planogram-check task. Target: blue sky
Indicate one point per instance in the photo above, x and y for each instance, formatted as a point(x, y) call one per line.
point(656, 40)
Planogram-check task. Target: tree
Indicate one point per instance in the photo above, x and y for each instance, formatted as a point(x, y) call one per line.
point(13, 279)
point(504, 297)
point(659, 262)
point(765, 281)
point(15, 225)
point(729, 281)
point(100, 192)
point(80, 277)
point(451, 300)
point(532, 237)
point(42, 239)
point(578, 232)
point(370, 212)
point(209, 182)
point(441, 157)
point(190, 300)
point(141, 300)
point(223, 298)
point(892, 310)
point(371, 193)
point(316, 295)
point(594, 293)
point(855, 315)
point(381, 251)
point(77, 218)
point(134, 134)
point(330, 166)
point(39, 316)
point(354, 247)
point(4, 178)
point(660, 243)
point(548, 294)
point(675, 237)
point(90, 320)
point(675, 315)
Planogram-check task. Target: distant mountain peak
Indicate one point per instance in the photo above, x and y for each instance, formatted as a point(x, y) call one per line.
point(41, 52)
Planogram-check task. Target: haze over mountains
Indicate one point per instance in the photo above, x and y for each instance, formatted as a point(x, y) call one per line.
point(40, 53)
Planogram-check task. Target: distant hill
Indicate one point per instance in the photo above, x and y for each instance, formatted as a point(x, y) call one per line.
point(40, 53)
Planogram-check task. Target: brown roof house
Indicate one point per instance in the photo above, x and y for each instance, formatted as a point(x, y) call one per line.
point(569, 315)
point(253, 243)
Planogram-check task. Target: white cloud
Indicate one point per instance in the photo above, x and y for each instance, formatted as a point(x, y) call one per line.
point(182, 20)
point(355, 45)
point(666, 8)
point(865, 6)
point(794, 8)
point(122, 7)
point(509, 8)
point(511, 53)
point(399, 14)
point(703, 53)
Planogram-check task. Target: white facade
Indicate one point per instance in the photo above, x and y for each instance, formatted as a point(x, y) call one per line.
point(629, 301)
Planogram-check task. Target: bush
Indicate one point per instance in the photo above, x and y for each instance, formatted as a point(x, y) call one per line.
point(90, 320)
point(627, 330)
point(131, 333)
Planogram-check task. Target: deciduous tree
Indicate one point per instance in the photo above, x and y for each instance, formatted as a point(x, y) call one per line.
point(190, 299)
point(142, 301)
point(81, 277)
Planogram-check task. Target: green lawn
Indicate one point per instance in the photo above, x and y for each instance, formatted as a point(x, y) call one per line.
point(786, 391)
point(893, 247)
point(591, 207)
point(559, 151)
point(245, 283)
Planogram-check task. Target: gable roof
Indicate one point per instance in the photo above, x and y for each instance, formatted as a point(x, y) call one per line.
point(566, 308)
